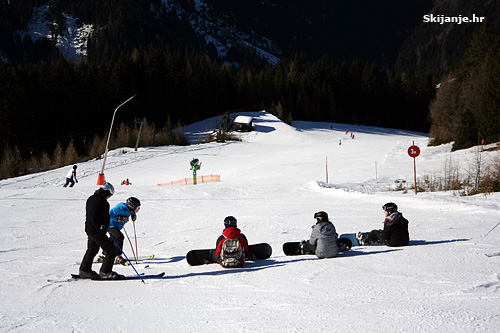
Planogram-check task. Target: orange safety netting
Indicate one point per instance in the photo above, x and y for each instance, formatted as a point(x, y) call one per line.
point(190, 181)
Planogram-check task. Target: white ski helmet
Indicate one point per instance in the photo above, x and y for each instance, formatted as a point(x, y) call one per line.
point(108, 188)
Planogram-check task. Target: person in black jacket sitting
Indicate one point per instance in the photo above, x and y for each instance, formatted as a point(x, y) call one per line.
point(395, 232)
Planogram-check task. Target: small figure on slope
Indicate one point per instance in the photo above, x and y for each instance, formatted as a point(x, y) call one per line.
point(395, 232)
point(126, 182)
point(120, 215)
point(96, 226)
point(232, 246)
point(323, 240)
point(71, 177)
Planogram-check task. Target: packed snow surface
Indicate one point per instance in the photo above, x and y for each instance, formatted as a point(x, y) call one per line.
point(272, 181)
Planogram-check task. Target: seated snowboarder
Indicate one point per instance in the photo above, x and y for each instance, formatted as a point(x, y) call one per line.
point(395, 232)
point(119, 215)
point(232, 246)
point(323, 240)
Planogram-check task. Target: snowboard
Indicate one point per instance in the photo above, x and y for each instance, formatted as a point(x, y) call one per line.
point(205, 256)
point(351, 237)
point(294, 249)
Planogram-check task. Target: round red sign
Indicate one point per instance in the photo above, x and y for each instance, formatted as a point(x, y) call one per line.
point(414, 151)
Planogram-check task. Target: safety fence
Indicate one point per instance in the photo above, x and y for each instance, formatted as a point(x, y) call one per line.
point(190, 181)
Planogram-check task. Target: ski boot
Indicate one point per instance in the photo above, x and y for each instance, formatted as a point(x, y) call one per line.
point(89, 275)
point(120, 260)
point(111, 276)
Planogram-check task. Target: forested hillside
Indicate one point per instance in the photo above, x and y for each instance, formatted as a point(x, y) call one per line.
point(466, 109)
point(370, 63)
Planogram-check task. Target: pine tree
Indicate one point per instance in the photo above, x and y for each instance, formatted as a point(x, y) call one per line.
point(489, 117)
point(70, 155)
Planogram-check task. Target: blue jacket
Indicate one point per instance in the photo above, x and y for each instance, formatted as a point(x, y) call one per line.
point(119, 215)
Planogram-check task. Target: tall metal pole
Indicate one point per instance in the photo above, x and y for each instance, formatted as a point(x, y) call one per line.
point(101, 179)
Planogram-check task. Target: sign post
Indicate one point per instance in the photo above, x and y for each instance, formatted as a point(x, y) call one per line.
point(414, 151)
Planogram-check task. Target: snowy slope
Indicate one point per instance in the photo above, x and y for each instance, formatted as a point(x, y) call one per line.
point(272, 181)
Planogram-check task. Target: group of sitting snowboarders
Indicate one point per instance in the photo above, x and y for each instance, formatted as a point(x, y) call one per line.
point(232, 248)
point(324, 241)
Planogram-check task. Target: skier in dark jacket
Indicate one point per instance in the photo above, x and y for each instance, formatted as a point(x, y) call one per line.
point(323, 240)
point(395, 232)
point(231, 232)
point(96, 226)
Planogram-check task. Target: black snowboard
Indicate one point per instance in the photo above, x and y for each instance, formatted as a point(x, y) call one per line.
point(293, 248)
point(207, 256)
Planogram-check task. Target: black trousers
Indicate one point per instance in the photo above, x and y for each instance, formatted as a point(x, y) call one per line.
point(118, 236)
point(94, 242)
point(374, 236)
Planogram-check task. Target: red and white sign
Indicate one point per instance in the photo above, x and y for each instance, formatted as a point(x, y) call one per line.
point(413, 151)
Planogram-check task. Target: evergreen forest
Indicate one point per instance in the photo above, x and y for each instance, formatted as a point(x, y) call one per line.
point(56, 111)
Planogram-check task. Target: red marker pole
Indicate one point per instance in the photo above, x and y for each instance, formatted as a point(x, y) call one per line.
point(414, 151)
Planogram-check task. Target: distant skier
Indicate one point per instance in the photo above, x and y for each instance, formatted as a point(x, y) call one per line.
point(232, 246)
point(395, 232)
point(96, 225)
point(126, 182)
point(71, 177)
point(119, 215)
point(323, 240)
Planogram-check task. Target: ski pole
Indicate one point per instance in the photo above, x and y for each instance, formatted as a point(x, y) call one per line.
point(139, 275)
point(130, 242)
point(135, 236)
point(491, 229)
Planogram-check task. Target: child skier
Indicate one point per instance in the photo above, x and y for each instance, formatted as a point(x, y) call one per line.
point(119, 215)
point(395, 232)
point(96, 225)
point(323, 240)
point(71, 177)
point(232, 246)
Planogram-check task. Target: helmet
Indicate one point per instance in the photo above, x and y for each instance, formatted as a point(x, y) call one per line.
point(133, 203)
point(322, 214)
point(230, 221)
point(390, 207)
point(74, 167)
point(107, 188)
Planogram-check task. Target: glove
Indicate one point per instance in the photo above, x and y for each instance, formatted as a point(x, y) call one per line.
point(133, 216)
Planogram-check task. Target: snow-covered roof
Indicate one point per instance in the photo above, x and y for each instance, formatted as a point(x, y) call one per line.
point(243, 120)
